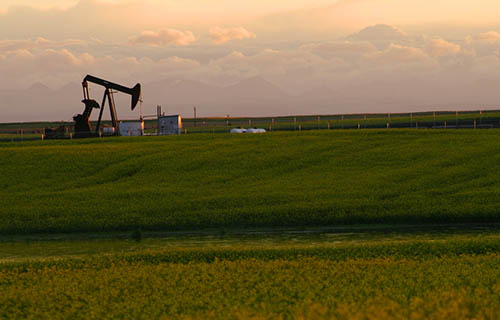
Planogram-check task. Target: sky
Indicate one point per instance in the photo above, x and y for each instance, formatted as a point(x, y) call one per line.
point(433, 53)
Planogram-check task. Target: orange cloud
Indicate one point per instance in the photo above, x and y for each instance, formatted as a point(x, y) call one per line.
point(38, 43)
point(440, 48)
point(490, 36)
point(164, 37)
point(223, 35)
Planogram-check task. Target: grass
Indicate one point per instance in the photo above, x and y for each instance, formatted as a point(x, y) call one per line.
point(454, 276)
point(316, 178)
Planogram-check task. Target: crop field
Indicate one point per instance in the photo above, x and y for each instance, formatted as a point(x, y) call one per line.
point(314, 178)
point(340, 224)
point(356, 275)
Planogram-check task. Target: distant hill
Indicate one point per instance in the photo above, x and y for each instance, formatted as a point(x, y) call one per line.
point(254, 96)
point(250, 97)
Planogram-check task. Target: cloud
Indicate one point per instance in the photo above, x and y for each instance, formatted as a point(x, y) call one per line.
point(483, 44)
point(223, 35)
point(409, 12)
point(164, 37)
point(38, 43)
point(295, 70)
point(382, 36)
point(440, 48)
point(379, 32)
point(345, 49)
point(401, 54)
point(56, 67)
point(296, 67)
point(406, 68)
point(109, 20)
point(490, 36)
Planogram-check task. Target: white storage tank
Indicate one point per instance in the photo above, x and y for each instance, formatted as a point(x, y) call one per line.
point(255, 130)
point(108, 131)
point(132, 129)
point(238, 130)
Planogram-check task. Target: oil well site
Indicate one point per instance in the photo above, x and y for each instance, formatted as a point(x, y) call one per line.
point(197, 159)
point(173, 124)
point(334, 216)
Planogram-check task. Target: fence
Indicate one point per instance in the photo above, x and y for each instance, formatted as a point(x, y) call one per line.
point(437, 120)
point(421, 120)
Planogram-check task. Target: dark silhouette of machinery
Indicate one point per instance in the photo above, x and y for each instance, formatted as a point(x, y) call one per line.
point(83, 127)
point(57, 133)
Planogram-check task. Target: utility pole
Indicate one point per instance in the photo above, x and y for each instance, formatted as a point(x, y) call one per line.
point(194, 109)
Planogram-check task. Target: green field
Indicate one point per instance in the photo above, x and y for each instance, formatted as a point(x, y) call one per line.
point(343, 224)
point(356, 275)
point(318, 178)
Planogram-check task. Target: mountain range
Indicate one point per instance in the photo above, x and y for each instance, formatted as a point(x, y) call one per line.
point(250, 97)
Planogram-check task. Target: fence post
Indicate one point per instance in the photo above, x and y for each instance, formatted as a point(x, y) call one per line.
point(328, 124)
point(318, 122)
point(71, 135)
point(43, 137)
point(300, 127)
point(388, 126)
point(342, 122)
point(294, 123)
point(474, 123)
point(359, 126)
point(445, 124)
point(434, 122)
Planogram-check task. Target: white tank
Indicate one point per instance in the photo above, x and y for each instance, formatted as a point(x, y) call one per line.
point(255, 130)
point(238, 130)
point(108, 130)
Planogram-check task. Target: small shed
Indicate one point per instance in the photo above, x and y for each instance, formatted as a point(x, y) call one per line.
point(169, 125)
point(132, 129)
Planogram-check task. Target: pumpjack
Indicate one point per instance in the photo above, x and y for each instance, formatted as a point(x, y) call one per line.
point(83, 127)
